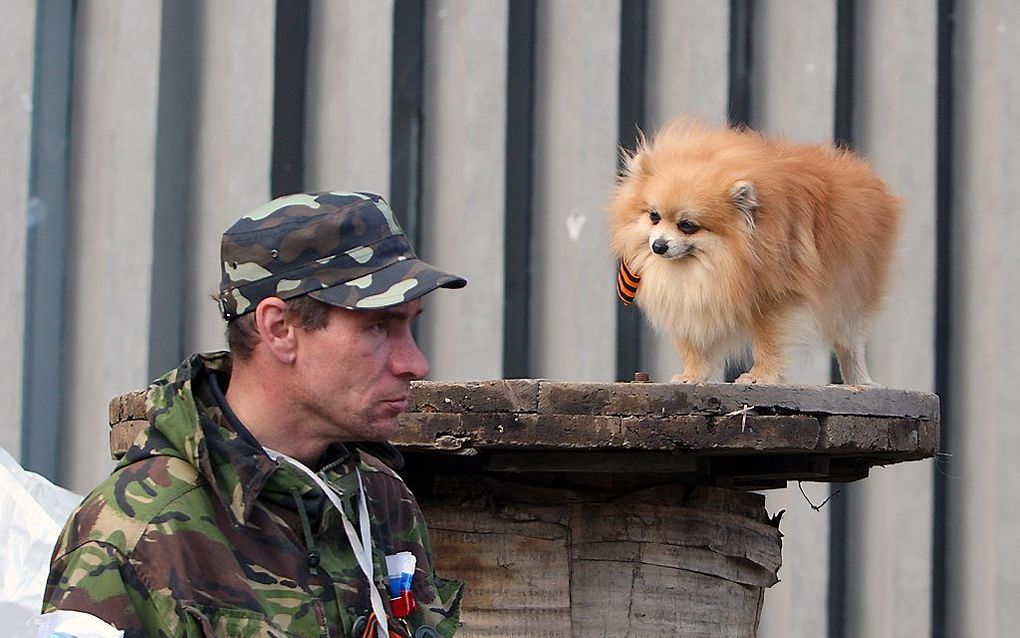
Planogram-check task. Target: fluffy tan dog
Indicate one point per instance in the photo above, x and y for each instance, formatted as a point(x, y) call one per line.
point(731, 233)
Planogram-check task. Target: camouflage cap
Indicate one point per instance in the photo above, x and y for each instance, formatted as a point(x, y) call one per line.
point(345, 249)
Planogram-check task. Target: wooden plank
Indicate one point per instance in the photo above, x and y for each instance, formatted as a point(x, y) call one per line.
point(658, 402)
point(629, 399)
point(123, 435)
point(764, 433)
point(440, 431)
point(665, 433)
point(127, 407)
point(597, 462)
point(509, 395)
point(501, 430)
point(861, 434)
point(732, 470)
point(673, 560)
point(723, 398)
point(643, 570)
point(516, 566)
point(480, 426)
point(752, 434)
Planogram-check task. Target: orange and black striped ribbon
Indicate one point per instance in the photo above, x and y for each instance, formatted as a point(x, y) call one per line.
point(626, 284)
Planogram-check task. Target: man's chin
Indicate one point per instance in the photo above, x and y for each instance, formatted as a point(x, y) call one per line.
point(384, 428)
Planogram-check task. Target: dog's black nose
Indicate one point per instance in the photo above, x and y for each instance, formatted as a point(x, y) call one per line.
point(659, 246)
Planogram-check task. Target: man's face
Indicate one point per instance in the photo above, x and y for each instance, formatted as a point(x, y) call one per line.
point(353, 376)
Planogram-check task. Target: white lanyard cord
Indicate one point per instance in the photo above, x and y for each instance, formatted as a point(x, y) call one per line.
point(362, 547)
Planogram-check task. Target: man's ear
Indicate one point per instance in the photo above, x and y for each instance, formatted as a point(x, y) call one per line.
point(275, 329)
point(745, 198)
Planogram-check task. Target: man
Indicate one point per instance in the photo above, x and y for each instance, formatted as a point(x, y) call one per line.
point(248, 507)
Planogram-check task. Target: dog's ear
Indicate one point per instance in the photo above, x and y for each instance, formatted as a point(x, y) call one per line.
point(745, 198)
point(634, 162)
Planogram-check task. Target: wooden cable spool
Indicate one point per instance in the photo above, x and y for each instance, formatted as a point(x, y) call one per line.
point(623, 509)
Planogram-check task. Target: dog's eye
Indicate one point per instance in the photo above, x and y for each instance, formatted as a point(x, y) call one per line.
point(688, 227)
point(654, 216)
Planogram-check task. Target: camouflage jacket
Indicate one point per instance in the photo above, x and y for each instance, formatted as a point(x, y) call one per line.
point(199, 533)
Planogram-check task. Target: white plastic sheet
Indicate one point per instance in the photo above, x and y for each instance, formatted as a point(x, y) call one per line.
point(74, 624)
point(32, 513)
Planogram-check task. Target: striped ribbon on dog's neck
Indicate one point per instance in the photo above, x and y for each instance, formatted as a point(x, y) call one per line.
point(626, 284)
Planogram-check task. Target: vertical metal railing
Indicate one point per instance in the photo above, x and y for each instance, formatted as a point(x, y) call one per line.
point(46, 251)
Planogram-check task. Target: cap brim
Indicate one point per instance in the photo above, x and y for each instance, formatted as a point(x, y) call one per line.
point(393, 285)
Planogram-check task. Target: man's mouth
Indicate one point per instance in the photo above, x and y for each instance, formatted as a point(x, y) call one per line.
point(400, 404)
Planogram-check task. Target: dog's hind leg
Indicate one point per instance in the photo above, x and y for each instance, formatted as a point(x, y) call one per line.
point(845, 327)
point(853, 366)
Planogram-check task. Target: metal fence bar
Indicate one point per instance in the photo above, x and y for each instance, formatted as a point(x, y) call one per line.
point(741, 47)
point(520, 140)
point(174, 163)
point(46, 250)
point(631, 116)
point(842, 135)
point(287, 172)
point(406, 113)
point(943, 333)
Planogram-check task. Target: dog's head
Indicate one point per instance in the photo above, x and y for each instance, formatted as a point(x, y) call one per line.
point(678, 226)
point(685, 195)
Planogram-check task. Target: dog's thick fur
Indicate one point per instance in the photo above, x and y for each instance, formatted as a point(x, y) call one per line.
point(768, 227)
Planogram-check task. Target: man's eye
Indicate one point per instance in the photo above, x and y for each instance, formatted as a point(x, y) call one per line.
point(688, 227)
point(654, 216)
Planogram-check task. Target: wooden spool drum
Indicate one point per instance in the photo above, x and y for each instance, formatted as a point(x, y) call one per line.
point(676, 561)
point(622, 509)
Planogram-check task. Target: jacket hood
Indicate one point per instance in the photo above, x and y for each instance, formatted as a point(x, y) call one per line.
point(186, 422)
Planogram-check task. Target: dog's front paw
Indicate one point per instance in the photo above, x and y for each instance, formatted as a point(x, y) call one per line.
point(684, 378)
point(760, 379)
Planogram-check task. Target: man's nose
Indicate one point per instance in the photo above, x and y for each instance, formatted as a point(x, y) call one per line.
point(659, 246)
point(408, 359)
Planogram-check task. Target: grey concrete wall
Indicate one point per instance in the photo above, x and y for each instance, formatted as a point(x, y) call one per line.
point(17, 31)
point(347, 126)
point(463, 152)
point(577, 53)
point(112, 183)
point(233, 144)
point(984, 349)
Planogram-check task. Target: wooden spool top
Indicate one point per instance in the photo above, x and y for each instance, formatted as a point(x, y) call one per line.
point(741, 436)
